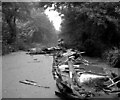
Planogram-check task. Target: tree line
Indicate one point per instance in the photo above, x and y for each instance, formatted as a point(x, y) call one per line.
point(90, 26)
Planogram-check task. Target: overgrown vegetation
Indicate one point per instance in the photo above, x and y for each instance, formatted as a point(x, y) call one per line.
point(93, 27)
point(23, 24)
point(112, 57)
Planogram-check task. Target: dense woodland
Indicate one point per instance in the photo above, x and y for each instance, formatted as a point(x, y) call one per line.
point(93, 27)
point(23, 25)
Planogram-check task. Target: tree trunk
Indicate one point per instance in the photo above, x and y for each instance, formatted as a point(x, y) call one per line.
point(12, 28)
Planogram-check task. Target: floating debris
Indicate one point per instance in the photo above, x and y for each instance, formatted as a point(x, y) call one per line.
point(36, 51)
point(31, 81)
point(28, 82)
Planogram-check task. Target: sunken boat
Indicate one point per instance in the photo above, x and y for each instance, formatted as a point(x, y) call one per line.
point(76, 78)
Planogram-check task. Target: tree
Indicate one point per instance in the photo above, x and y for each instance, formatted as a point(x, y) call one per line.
point(12, 11)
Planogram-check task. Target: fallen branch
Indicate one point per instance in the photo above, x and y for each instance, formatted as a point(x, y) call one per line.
point(33, 83)
point(113, 84)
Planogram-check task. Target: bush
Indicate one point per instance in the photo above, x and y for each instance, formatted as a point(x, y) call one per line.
point(93, 48)
point(112, 57)
point(19, 45)
point(6, 48)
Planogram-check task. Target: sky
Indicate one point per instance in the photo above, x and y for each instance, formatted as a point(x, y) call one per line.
point(54, 17)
